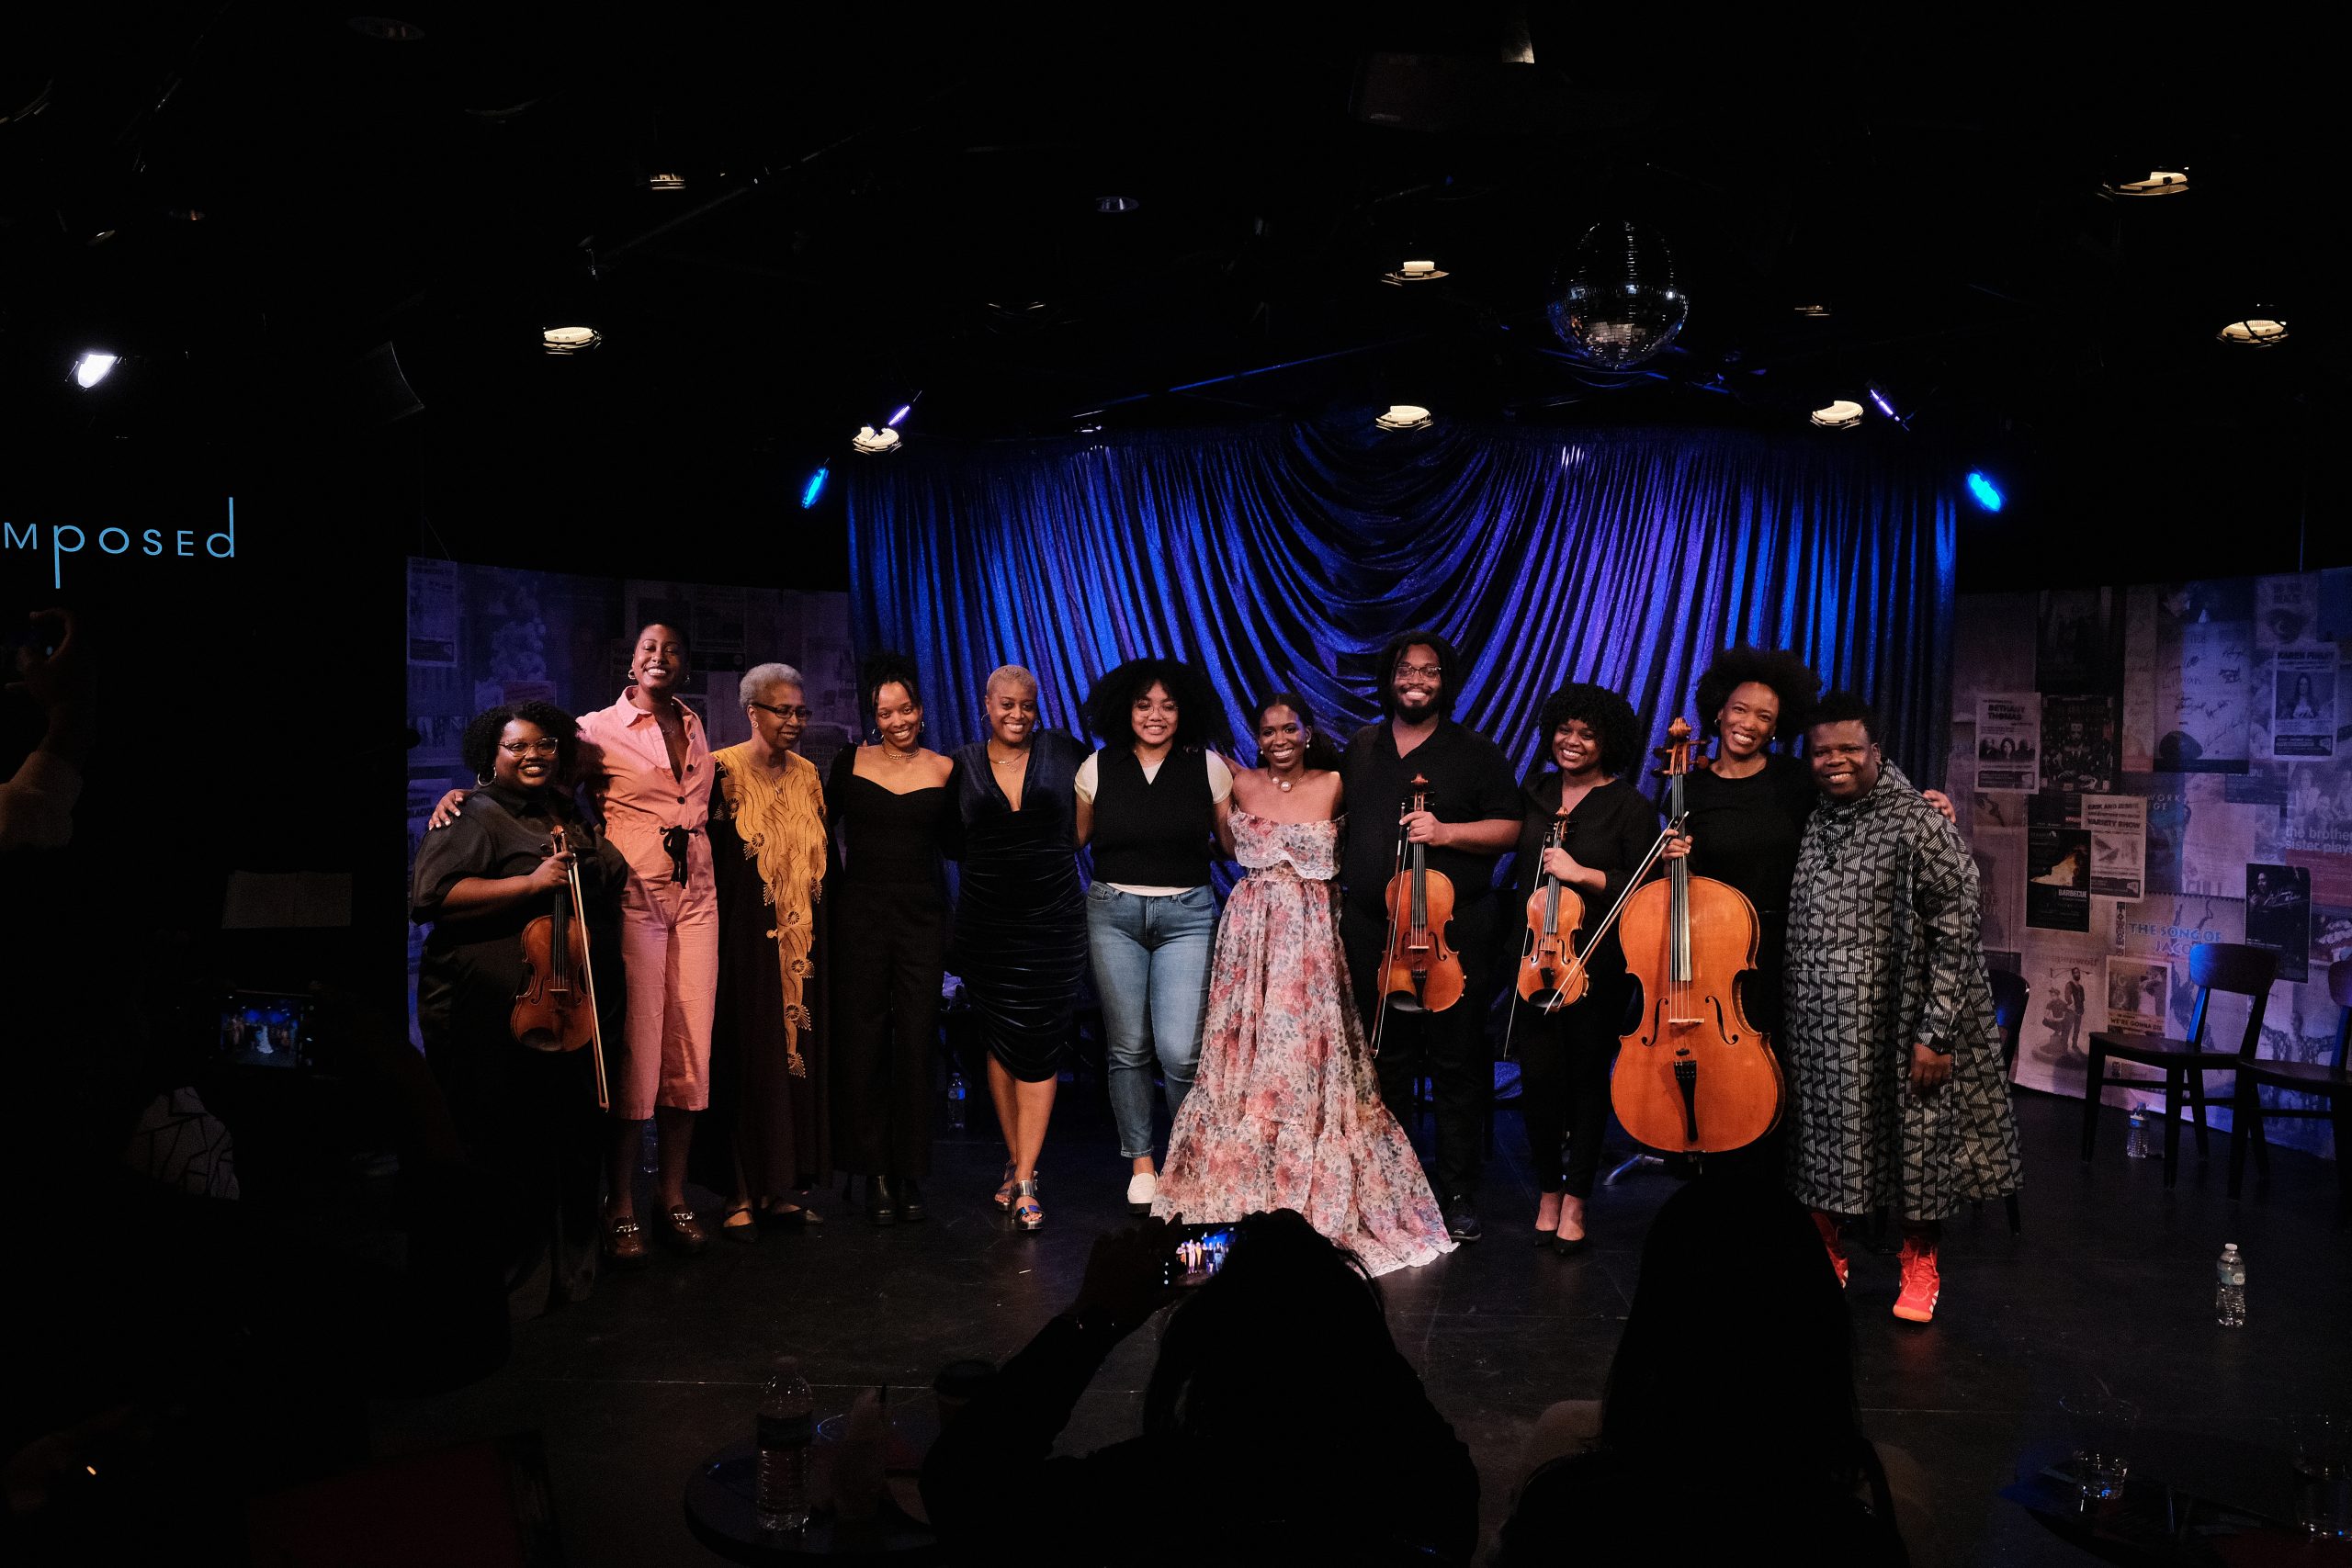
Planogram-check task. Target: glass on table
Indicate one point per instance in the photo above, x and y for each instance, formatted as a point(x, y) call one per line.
point(2099, 1425)
point(2321, 1446)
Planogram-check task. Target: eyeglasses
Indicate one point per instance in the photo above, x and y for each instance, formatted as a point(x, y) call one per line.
point(1419, 671)
point(543, 747)
point(799, 712)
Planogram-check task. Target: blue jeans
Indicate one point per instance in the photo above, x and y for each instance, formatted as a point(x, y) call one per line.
point(1151, 969)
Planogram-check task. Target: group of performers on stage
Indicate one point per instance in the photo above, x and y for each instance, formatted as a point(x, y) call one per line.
point(772, 947)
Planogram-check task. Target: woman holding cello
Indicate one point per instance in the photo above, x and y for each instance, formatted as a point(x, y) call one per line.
point(1589, 830)
point(496, 885)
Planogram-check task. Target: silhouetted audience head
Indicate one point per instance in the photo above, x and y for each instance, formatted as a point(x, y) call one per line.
point(1729, 1416)
point(1287, 1335)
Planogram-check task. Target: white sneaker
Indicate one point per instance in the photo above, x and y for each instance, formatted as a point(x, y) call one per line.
point(1142, 1188)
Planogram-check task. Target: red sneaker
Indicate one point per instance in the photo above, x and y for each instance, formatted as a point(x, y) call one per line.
point(1921, 1283)
point(1827, 1225)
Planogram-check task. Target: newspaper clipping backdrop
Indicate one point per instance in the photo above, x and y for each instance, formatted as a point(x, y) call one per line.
point(2058, 878)
point(2118, 825)
point(2302, 714)
point(2009, 742)
point(2136, 990)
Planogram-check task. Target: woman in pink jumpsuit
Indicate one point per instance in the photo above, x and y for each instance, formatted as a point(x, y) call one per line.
point(657, 773)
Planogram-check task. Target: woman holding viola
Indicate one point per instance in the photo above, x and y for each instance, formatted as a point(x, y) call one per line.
point(1605, 827)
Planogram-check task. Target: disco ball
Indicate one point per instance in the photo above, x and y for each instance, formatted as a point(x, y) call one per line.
point(1619, 304)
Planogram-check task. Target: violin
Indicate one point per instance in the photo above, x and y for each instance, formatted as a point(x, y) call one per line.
point(1549, 971)
point(555, 1006)
point(1418, 972)
point(1694, 1076)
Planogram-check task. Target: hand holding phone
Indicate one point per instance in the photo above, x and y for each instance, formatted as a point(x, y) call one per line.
point(1126, 1277)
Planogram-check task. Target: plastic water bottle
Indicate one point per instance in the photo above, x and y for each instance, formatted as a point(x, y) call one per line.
point(2137, 1144)
point(787, 1432)
point(958, 1091)
point(2229, 1291)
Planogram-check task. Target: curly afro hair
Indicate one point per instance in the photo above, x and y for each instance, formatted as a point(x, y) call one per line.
point(1606, 714)
point(1791, 680)
point(1449, 660)
point(881, 670)
point(479, 749)
point(1109, 706)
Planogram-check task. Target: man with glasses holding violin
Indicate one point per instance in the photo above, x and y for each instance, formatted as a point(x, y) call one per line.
point(1473, 816)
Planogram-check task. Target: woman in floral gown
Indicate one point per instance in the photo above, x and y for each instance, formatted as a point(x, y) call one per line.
point(1285, 1110)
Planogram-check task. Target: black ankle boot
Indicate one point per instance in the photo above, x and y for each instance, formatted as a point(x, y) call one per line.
point(881, 1200)
point(910, 1207)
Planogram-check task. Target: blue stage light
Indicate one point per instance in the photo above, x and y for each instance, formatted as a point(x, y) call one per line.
point(1984, 492)
point(899, 418)
point(1885, 404)
point(814, 487)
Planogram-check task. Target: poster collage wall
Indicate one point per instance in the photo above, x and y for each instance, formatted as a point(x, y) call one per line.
point(2146, 768)
point(478, 636)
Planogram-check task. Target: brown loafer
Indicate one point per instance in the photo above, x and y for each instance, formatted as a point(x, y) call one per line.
point(624, 1244)
point(682, 1232)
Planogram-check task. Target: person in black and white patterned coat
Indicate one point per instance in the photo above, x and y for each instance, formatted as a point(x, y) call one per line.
point(1897, 1088)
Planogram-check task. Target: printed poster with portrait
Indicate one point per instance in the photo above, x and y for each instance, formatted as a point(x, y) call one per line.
point(2278, 916)
point(2204, 675)
point(2302, 708)
point(2008, 741)
point(2136, 993)
point(2058, 878)
point(2079, 747)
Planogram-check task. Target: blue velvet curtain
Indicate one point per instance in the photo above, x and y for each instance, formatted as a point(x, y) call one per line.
point(1282, 556)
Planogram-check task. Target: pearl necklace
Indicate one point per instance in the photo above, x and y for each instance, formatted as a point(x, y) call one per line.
point(1281, 784)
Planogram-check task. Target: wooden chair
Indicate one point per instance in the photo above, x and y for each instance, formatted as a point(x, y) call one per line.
point(2212, 966)
point(2324, 1079)
point(2011, 996)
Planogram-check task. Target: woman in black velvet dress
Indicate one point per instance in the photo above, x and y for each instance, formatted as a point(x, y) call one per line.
point(1020, 941)
point(890, 803)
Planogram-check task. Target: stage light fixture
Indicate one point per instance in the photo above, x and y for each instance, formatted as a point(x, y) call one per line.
point(815, 486)
point(872, 443)
point(565, 340)
point(1404, 416)
point(899, 418)
point(2137, 186)
point(1984, 491)
point(668, 180)
point(1838, 413)
point(1885, 404)
point(1813, 312)
point(1115, 204)
point(2257, 331)
point(1414, 272)
point(93, 365)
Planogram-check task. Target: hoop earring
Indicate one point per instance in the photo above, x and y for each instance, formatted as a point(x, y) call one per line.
point(483, 780)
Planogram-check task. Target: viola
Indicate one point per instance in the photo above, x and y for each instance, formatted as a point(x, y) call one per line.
point(1694, 1076)
point(1418, 972)
point(555, 1006)
point(1550, 972)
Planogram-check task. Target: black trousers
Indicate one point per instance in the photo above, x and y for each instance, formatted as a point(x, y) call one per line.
point(1450, 1048)
point(889, 945)
point(1563, 1062)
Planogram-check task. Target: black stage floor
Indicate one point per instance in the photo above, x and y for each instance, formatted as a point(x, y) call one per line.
point(2111, 1276)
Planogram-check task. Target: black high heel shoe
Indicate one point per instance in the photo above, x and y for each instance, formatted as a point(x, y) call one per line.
point(881, 1200)
point(910, 1207)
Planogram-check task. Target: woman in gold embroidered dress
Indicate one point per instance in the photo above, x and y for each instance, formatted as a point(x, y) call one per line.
point(768, 841)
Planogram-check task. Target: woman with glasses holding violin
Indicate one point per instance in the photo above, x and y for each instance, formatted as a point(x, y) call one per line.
point(1589, 829)
point(765, 1140)
point(526, 1116)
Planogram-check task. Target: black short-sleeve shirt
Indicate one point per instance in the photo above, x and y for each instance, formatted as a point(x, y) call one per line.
point(1470, 781)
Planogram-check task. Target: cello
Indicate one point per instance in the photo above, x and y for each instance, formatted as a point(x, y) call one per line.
point(1418, 972)
point(555, 1006)
point(1694, 1076)
point(1548, 961)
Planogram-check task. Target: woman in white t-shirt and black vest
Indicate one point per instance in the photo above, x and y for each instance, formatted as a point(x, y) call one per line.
point(1152, 805)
